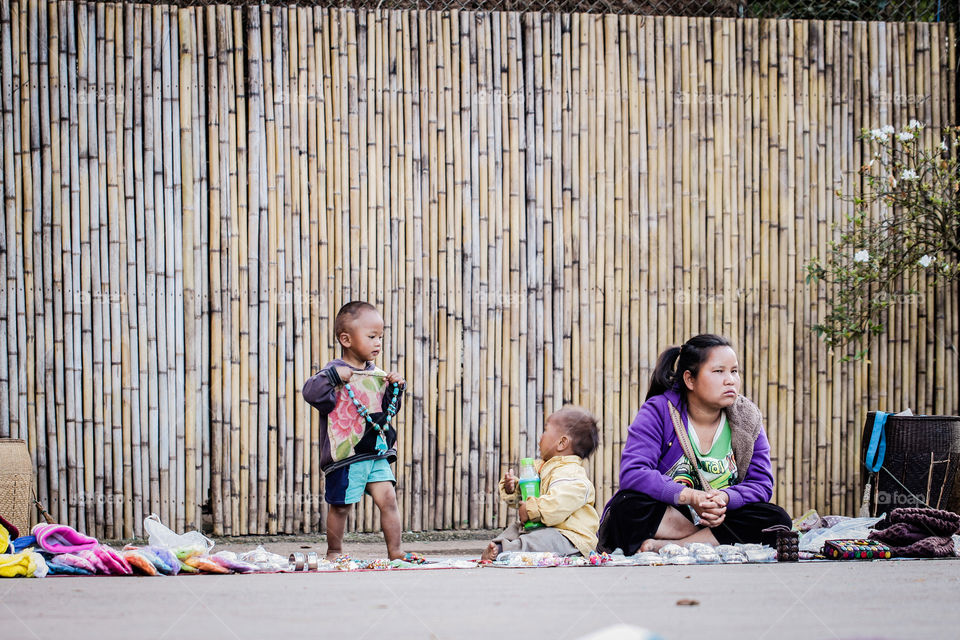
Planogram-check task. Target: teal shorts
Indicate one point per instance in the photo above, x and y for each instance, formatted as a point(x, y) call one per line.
point(347, 485)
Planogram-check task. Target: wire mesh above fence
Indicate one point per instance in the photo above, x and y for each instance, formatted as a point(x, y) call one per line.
point(878, 10)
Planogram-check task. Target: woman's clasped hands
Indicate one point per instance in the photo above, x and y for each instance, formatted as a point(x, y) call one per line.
point(710, 505)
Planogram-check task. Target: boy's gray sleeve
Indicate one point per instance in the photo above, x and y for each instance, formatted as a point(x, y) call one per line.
point(320, 392)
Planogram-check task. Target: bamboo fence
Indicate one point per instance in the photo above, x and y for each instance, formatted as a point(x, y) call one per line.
point(537, 203)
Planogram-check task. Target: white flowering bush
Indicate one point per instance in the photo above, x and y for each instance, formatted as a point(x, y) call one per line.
point(905, 224)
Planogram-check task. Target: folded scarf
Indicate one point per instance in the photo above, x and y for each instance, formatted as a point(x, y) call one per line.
point(106, 561)
point(930, 547)
point(115, 562)
point(26, 564)
point(65, 564)
point(4, 539)
point(899, 534)
point(22, 543)
point(933, 522)
point(12, 530)
point(74, 563)
point(918, 533)
point(59, 538)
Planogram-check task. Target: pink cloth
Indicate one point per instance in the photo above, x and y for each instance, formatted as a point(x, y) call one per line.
point(59, 538)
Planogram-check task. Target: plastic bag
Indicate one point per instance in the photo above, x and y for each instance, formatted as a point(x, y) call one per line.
point(648, 559)
point(758, 552)
point(856, 528)
point(229, 560)
point(729, 554)
point(672, 550)
point(264, 560)
point(703, 553)
point(531, 559)
point(160, 536)
point(810, 520)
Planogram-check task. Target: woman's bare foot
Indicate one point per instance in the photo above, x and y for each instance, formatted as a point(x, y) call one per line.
point(652, 544)
point(490, 553)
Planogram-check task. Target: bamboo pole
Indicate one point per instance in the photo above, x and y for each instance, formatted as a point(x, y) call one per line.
point(228, 22)
point(56, 430)
point(42, 241)
point(113, 177)
point(187, 501)
point(267, 303)
point(9, 211)
point(201, 250)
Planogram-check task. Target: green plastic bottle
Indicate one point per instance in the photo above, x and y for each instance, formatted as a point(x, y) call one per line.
point(529, 484)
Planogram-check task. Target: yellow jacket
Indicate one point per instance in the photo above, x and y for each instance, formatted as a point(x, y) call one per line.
point(565, 502)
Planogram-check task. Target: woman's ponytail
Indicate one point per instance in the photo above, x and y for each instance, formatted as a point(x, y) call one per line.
point(664, 374)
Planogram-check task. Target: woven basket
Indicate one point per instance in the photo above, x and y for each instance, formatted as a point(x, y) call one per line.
point(16, 483)
point(923, 455)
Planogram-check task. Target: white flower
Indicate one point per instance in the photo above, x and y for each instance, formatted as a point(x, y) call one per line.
point(888, 129)
point(909, 174)
point(878, 135)
point(905, 136)
point(943, 145)
point(926, 261)
point(915, 124)
point(861, 256)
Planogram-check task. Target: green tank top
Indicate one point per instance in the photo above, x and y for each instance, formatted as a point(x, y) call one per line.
point(718, 464)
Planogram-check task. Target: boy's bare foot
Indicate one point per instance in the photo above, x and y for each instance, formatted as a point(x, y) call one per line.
point(332, 555)
point(490, 553)
point(652, 544)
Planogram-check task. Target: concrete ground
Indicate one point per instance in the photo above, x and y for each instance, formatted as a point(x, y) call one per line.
point(883, 599)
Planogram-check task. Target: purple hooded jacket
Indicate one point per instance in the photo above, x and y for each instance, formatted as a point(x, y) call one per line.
point(652, 450)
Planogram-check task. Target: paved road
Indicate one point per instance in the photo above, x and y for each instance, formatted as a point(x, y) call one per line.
point(918, 599)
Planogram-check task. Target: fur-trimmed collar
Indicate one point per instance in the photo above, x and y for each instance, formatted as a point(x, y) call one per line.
point(745, 422)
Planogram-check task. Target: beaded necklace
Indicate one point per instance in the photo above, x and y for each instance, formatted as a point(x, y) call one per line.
point(365, 414)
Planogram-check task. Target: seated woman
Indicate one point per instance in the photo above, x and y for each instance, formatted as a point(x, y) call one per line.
point(716, 493)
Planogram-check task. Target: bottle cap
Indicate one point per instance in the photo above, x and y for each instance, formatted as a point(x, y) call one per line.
point(525, 461)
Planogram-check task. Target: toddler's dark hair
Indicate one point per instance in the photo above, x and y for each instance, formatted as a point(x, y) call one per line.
point(581, 426)
point(347, 314)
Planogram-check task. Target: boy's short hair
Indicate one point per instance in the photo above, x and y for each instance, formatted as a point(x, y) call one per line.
point(581, 426)
point(347, 314)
